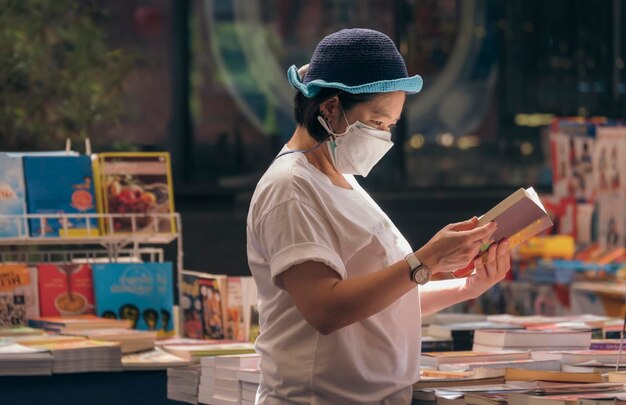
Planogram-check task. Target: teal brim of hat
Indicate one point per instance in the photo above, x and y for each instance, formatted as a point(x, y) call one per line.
point(407, 84)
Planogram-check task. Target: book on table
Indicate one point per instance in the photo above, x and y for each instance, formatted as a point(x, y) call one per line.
point(462, 334)
point(130, 340)
point(17, 360)
point(156, 359)
point(521, 339)
point(520, 216)
point(436, 359)
point(78, 322)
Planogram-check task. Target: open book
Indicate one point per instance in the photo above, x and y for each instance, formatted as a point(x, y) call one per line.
point(520, 216)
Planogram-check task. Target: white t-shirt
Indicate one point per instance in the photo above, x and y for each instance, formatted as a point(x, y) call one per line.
point(296, 215)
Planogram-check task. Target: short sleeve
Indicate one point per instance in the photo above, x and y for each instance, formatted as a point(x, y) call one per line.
point(293, 233)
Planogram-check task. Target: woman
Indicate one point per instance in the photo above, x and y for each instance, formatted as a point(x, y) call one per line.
point(341, 292)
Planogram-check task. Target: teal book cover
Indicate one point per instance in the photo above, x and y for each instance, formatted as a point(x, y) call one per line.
point(141, 292)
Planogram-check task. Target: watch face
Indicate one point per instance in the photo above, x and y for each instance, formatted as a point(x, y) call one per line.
point(421, 275)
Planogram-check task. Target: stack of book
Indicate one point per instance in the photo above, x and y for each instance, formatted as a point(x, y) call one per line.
point(82, 355)
point(227, 388)
point(250, 380)
point(491, 340)
point(207, 377)
point(131, 340)
point(156, 359)
point(17, 359)
point(182, 384)
point(462, 334)
point(195, 351)
point(69, 324)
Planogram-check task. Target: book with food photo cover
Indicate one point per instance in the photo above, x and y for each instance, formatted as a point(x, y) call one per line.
point(135, 183)
point(65, 289)
point(520, 216)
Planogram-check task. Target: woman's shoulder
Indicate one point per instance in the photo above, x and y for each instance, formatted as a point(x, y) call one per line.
point(290, 177)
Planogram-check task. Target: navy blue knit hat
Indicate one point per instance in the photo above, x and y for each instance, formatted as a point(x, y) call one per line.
point(356, 60)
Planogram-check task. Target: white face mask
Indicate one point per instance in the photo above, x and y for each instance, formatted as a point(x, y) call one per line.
point(358, 148)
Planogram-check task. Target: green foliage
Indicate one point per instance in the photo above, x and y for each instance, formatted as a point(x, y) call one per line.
point(58, 79)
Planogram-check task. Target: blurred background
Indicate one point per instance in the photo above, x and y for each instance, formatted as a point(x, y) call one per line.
point(206, 80)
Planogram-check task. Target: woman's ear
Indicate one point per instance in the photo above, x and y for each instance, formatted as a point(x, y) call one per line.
point(330, 109)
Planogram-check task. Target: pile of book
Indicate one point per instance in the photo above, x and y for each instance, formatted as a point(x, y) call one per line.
point(544, 361)
point(17, 359)
point(83, 356)
point(182, 384)
point(156, 359)
point(227, 380)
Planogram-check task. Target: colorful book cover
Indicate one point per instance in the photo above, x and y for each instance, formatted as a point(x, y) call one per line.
point(12, 198)
point(251, 309)
point(60, 185)
point(235, 325)
point(140, 292)
point(610, 154)
point(203, 306)
point(65, 289)
point(136, 183)
point(18, 295)
point(612, 221)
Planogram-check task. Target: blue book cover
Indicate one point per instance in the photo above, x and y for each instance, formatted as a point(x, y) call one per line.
point(58, 185)
point(141, 292)
point(12, 198)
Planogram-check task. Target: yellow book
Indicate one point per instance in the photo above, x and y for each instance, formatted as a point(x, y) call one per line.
point(514, 374)
point(137, 183)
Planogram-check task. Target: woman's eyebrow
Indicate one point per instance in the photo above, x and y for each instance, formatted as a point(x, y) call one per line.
point(384, 114)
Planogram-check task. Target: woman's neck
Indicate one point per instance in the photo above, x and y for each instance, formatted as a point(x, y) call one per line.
point(320, 158)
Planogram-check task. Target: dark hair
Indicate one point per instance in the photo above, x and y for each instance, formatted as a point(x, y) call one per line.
point(306, 110)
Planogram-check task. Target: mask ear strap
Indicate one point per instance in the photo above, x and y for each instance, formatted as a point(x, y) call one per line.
point(325, 125)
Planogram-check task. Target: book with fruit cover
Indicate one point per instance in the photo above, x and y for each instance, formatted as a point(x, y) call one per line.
point(19, 299)
point(58, 186)
point(135, 183)
point(141, 292)
point(65, 289)
point(12, 198)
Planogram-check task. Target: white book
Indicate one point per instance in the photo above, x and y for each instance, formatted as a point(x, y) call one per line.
point(477, 347)
point(578, 357)
point(207, 392)
point(227, 384)
point(216, 400)
point(247, 386)
point(226, 373)
point(207, 380)
point(527, 338)
point(227, 394)
point(205, 398)
point(249, 375)
point(207, 371)
point(238, 361)
point(208, 362)
point(248, 396)
point(545, 365)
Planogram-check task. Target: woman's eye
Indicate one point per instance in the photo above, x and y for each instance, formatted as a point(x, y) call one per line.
point(377, 123)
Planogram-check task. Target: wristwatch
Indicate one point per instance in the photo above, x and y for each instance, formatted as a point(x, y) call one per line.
point(420, 273)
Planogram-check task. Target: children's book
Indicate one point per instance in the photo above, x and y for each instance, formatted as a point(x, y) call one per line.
point(140, 292)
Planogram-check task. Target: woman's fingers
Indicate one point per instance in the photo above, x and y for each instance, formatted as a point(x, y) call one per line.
point(481, 233)
point(504, 257)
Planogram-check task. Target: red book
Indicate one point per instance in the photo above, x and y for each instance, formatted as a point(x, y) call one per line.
point(65, 289)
